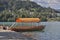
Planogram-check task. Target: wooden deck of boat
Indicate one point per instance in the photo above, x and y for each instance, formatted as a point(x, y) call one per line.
point(13, 36)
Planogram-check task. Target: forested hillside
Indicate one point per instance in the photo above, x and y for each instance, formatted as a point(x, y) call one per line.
point(12, 9)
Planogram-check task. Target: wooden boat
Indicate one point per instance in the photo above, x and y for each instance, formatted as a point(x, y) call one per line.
point(26, 28)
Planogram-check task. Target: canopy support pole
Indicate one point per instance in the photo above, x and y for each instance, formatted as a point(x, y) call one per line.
point(13, 24)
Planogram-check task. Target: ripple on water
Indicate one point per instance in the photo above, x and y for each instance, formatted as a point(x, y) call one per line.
point(48, 36)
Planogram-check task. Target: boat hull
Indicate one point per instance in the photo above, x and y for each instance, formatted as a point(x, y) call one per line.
point(26, 28)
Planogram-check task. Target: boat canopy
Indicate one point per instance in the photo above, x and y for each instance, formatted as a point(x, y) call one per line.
point(27, 20)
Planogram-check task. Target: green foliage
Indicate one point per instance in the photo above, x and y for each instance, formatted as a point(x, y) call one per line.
point(43, 19)
point(24, 9)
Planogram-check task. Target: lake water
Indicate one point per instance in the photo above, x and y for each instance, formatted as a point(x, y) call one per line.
point(51, 31)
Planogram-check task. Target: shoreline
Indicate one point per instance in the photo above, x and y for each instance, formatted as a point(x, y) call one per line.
point(1, 30)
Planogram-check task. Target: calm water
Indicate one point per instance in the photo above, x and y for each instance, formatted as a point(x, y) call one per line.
point(51, 31)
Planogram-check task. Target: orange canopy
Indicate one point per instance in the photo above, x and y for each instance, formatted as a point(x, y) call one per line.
point(27, 20)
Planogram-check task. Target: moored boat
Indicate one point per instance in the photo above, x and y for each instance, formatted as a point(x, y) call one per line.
point(23, 28)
